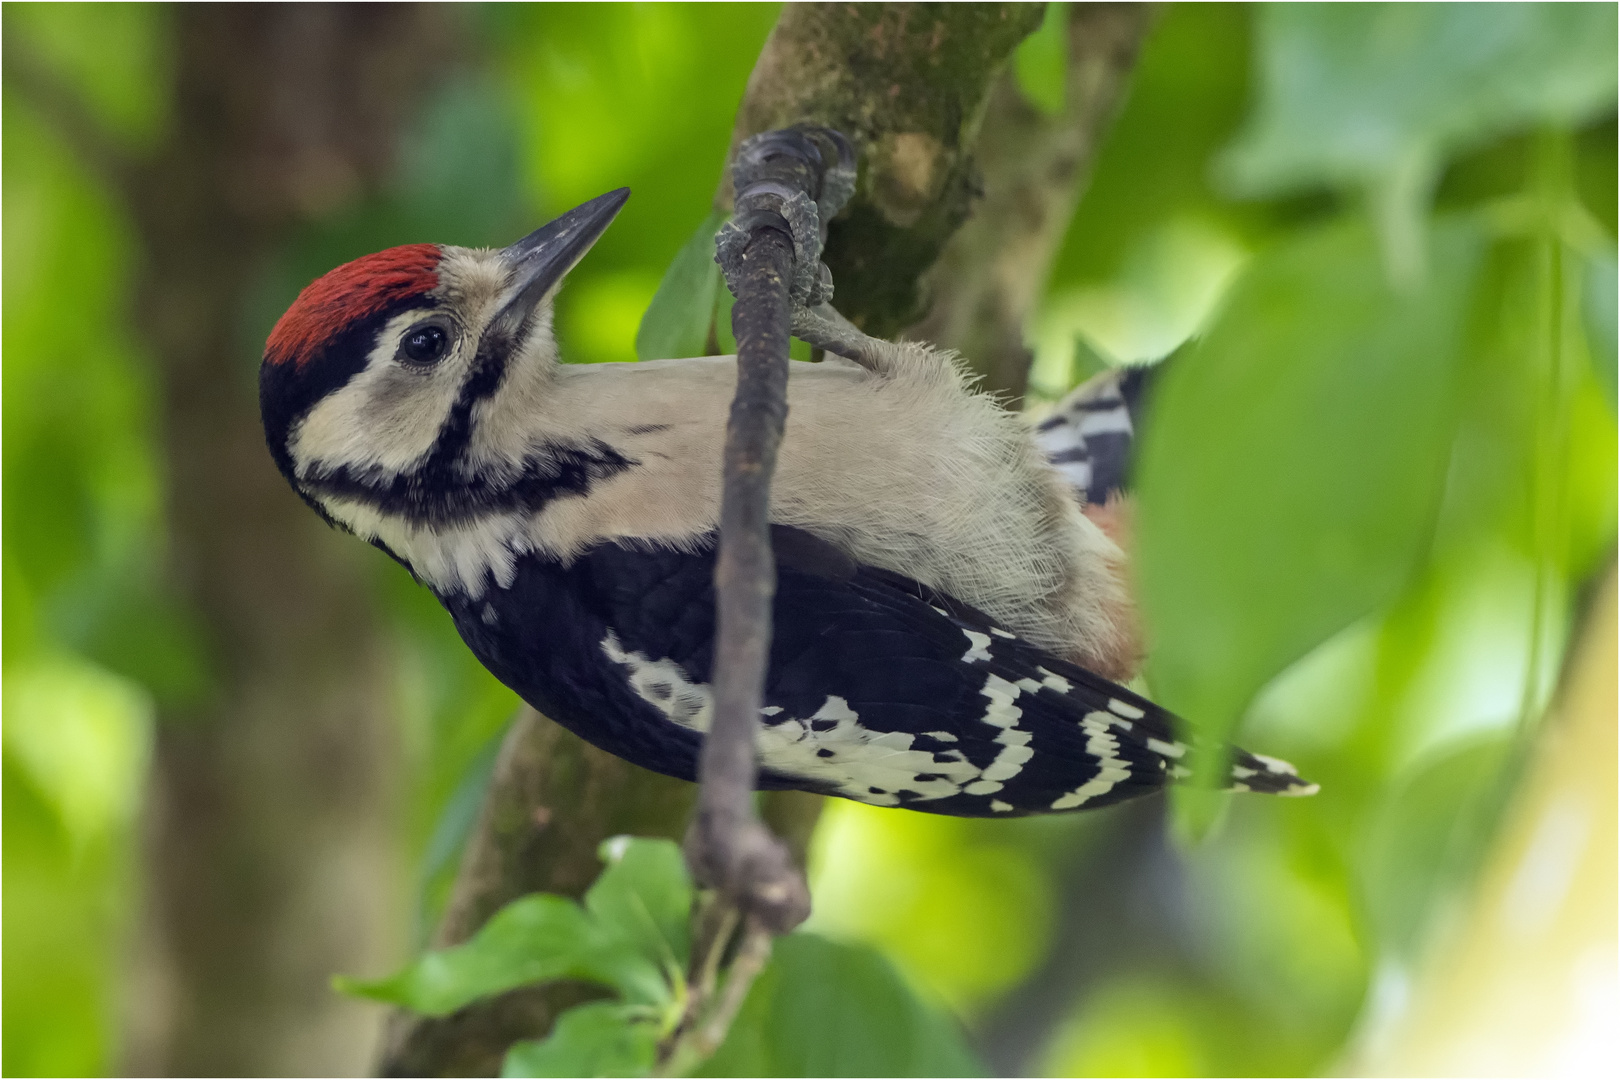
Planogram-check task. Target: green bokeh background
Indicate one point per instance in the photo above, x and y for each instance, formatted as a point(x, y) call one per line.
point(1396, 634)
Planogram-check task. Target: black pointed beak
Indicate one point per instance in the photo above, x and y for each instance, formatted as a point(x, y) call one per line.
point(540, 260)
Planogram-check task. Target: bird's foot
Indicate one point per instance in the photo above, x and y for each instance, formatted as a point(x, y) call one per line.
point(823, 327)
point(797, 179)
point(751, 869)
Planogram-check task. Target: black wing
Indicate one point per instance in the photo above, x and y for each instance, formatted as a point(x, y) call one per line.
point(878, 690)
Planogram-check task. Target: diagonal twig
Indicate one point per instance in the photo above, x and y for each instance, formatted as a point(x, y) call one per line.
point(728, 846)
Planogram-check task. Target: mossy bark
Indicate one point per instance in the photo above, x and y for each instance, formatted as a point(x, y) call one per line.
point(909, 83)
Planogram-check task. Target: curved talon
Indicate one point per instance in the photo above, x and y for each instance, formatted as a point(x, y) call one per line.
point(793, 179)
point(837, 179)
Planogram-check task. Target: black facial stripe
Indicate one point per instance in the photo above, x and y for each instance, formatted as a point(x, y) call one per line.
point(483, 380)
point(287, 391)
point(443, 492)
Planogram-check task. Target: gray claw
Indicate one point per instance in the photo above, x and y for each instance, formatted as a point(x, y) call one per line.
point(774, 174)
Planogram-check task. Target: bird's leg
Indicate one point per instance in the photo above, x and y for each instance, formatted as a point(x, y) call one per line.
point(828, 161)
point(823, 327)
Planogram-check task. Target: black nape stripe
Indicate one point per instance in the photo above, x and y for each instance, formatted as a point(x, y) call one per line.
point(444, 491)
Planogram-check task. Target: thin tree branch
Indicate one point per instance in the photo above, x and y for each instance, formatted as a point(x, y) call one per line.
point(728, 845)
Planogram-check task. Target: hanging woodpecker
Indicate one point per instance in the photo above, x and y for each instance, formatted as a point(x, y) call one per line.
point(950, 627)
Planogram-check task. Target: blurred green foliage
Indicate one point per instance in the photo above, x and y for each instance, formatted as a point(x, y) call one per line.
point(1041, 60)
point(1322, 397)
point(1380, 242)
point(89, 637)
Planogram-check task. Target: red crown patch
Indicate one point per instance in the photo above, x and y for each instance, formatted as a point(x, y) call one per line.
point(349, 293)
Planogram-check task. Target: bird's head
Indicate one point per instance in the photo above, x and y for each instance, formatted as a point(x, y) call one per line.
point(400, 382)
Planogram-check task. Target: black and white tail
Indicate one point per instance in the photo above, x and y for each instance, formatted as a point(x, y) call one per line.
point(1089, 438)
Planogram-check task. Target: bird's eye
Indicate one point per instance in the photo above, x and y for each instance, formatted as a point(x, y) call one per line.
point(425, 344)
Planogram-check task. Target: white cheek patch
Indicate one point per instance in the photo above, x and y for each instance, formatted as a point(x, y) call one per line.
point(386, 418)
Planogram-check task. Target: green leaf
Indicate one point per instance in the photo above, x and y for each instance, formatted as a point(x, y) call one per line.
point(645, 897)
point(1358, 92)
point(631, 935)
point(826, 1009)
point(1293, 460)
point(1041, 61)
point(600, 1038)
point(677, 321)
point(83, 736)
point(533, 939)
point(1598, 307)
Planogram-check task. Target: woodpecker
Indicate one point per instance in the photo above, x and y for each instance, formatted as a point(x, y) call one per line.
point(950, 628)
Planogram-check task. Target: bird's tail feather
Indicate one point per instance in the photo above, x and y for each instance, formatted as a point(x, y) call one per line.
point(1090, 436)
point(1267, 775)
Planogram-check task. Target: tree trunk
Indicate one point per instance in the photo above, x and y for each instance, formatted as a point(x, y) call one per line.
point(273, 856)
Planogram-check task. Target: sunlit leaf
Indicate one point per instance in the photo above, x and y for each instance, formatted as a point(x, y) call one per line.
point(1041, 61)
point(1598, 307)
point(645, 896)
point(532, 939)
point(1350, 92)
point(600, 1038)
point(931, 899)
point(1133, 1027)
point(82, 735)
point(1293, 462)
point(630, 935)
point(677, 321)
point(826, 1009)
